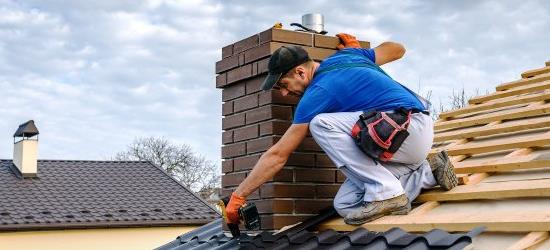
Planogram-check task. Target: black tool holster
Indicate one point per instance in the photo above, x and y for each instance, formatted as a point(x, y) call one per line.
point(380, 134)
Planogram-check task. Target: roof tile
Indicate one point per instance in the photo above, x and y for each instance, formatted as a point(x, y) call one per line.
point(95, 194)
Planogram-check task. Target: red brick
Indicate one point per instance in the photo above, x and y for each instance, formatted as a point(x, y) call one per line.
point(227, 64)
point(246, 102)
point(286, 36)
point(246, 162)
point(323, 161)
point(233, 121)
point(326, 191)
point(257, 53)
point(270, 222)
point(246, 43)
point(246, 133)
point(227, 108)
point(233, 179)
point(241, 59)
point(340, 177)
point(274, 206)
point(315, 175)
point(311, 206)
point(262, 65)
point(277, 190)
point(317, 53)
point(227, 137)
point(232, 150)
point(330, 42)
point(268, 112)
point(221, 80)
point(234, 91)
point(227, 192)
point(254, 68)
point(301, 159)
point(274, 127)
point(239, 73)
point(261, 144)
point(284, 175)
point(275, 97)
point(227, 166)
point(253, 84)
point(227, 51)
point(309, 144)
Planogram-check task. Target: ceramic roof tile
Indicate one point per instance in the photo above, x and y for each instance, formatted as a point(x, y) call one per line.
point(211, 236)
point(95, 194)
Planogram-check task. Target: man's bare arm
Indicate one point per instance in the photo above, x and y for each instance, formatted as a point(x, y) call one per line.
point(273, 160)
point(388, 52)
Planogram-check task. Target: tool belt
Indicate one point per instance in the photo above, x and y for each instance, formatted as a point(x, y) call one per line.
point(380, 134)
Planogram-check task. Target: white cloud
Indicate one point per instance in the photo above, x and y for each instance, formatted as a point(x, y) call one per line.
point(96, 74)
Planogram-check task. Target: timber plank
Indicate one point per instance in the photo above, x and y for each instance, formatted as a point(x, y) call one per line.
point(505, 102)
point(523, 82)
point(493, 130)
point(534, 72)
point(512, 92)
point(503, 144)
point(476, 178)
point(529, 240)
point(493, 190)
point(493, 221)
point(528, 111)
point(505, 164)
point(424, 208)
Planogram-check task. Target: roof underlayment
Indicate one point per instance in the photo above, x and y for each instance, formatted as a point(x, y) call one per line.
point(500, 147)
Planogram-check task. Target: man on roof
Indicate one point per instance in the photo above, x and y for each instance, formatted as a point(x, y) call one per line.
point(375, 130)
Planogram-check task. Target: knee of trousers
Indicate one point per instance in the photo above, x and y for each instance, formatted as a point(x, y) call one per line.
point(343, 208)
point(317, 124)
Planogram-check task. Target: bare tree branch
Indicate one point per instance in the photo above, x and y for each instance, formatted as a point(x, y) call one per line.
point(179, 161)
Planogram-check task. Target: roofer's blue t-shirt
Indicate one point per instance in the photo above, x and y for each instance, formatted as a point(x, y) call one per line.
point(352, 89)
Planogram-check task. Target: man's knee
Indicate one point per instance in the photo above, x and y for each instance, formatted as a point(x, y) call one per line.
point(317, 124)
point(348, 198)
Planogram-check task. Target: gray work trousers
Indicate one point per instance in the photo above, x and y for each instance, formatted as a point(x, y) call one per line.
point(371, 180)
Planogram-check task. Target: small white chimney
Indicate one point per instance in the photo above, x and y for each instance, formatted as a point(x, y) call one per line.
point(25, 149)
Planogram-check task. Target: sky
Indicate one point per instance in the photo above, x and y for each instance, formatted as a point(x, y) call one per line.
point(95, 75)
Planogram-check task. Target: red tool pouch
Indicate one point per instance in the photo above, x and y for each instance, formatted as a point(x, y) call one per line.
point(380, 134)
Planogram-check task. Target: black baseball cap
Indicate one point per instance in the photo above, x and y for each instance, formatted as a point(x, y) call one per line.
point(282, 60)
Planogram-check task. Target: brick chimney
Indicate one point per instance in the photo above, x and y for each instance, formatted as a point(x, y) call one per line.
point(254, 120)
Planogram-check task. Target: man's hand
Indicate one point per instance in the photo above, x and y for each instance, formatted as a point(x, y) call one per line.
point(232, 208)
point(347, 41)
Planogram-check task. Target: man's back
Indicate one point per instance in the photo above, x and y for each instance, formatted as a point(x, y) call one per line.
point(348, 89)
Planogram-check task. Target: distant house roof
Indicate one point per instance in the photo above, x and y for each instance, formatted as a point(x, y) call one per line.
point(303, 236)
point(91, 194)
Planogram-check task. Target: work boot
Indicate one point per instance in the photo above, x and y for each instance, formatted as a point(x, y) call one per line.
point(373, 210)
point(443, 170)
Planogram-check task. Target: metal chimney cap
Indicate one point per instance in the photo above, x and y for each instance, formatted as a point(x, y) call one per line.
point(27, 129)
point(314, 21)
